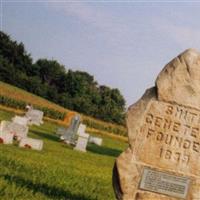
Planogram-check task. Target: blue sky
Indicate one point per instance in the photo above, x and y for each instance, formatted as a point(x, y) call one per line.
point(123, 44)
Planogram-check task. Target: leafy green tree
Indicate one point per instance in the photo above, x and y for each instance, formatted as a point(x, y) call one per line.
point(7, 70)
point(112, 105)
point(15, 54)
point(75, 90)
point(49, 71)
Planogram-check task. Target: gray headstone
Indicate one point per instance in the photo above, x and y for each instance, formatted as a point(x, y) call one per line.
point(61, 131)
point(70, 134)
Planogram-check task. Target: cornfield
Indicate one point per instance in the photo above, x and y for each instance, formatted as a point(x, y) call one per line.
point(14, 97)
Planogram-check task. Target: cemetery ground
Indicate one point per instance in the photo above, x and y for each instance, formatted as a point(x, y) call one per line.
point(57, 172)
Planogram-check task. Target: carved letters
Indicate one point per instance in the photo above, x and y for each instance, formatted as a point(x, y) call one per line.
point(175, 129)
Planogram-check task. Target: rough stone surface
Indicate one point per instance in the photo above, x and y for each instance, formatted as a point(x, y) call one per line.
point(179, 81)
point(164, 136)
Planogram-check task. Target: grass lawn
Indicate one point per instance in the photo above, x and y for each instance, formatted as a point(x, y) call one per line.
point(58, 171)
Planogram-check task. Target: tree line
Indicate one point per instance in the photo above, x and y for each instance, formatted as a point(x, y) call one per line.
point(76, 90)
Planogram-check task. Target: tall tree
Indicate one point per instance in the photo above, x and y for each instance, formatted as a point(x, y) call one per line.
point(76, 90)
point(15, 54)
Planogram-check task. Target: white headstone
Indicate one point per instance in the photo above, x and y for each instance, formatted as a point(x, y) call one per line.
point(82, 142)
point(35, 117)
point(17, 130)
point(81, 129)
point(31, 143)
point(6, 138)
point(5, 127)
point(20, 120)
point(95, 140)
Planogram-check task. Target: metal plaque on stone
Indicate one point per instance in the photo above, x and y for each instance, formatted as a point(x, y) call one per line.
point(164, 183)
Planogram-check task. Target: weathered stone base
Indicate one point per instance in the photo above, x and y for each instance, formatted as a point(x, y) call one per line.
point(127, 175)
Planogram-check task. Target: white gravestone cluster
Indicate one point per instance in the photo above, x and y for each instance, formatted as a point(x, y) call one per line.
point(18, 129)
point(76, 135)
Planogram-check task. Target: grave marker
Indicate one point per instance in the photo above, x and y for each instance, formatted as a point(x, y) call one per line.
point(95, 140)
point(82, 141)
point(20, 120)
point(162, 160)
point(17, 130)
point(5, 136)
point(81, 129)
point(35, 117)
point(70, 135)
point(31, 143)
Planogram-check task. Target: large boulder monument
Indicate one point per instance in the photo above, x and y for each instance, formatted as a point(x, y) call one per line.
point(162, 161)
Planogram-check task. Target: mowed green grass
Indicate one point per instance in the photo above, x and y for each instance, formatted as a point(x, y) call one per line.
point(58, 171)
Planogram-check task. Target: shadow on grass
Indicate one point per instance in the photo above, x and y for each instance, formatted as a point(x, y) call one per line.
point(103, 150)
point(45, 135)
point(49, 191)
point(52, 137)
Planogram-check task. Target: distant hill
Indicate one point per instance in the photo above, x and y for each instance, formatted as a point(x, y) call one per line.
point(75, 90)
